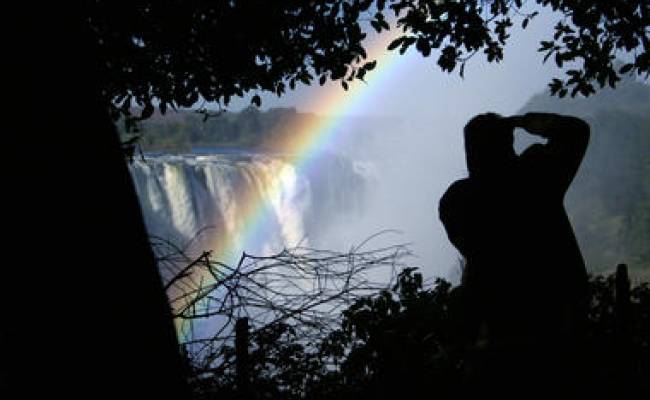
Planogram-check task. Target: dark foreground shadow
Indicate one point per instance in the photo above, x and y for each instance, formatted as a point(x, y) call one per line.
point(526, 321)
point(409, 342)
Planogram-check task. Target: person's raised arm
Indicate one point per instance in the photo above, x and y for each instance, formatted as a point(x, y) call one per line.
point(560, 158)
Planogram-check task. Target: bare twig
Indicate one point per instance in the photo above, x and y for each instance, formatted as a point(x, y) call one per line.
point(300, 286)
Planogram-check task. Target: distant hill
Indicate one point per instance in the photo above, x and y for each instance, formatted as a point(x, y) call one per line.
point(180, 131)
point(263, 130)
point(609, 201)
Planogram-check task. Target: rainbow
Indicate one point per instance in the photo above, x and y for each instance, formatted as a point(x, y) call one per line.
point(308, 139)
point(304, 140)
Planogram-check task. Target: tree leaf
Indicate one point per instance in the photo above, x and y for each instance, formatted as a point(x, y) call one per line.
point(147, 111)
point(626, 68)
point(395, 43)
point(131, 141)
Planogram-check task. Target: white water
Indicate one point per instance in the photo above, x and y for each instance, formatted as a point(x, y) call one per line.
point(182, 196)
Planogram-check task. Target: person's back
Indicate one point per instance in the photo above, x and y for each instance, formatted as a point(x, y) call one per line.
point(524, 273)
point(524, 277)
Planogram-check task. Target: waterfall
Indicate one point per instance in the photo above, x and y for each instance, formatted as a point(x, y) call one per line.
point(215, 194)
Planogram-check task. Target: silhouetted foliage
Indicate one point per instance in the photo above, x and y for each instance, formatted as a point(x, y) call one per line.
point(405, 342)
point(184, 130)
point(299, 287)
point(172, 53)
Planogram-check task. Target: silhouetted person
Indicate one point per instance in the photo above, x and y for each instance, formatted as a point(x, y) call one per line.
point(524, 279)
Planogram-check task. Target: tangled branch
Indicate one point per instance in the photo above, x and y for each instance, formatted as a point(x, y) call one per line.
point(302, 287)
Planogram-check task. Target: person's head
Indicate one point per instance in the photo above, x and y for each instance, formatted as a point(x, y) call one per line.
point(489, 149)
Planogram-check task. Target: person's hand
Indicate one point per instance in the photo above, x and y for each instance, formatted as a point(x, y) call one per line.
point(515, 121)
point(538, 123)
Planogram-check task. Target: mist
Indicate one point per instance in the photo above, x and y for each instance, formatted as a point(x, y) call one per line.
point(410, 131)
point(405, 131)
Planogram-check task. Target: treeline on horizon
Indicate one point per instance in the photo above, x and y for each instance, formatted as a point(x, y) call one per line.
point(608, 203)
point(186, 129)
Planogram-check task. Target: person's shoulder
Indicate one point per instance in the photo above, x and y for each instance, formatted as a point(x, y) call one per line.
point(457, 190)
point(460, 185)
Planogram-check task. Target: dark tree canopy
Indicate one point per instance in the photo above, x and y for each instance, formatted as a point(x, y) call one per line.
point(174, 53)
point(87, 307)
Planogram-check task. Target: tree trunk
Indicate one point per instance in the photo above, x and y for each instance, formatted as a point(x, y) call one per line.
point(85, 312)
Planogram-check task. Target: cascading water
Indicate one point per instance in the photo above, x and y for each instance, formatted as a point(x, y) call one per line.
point(219, 195)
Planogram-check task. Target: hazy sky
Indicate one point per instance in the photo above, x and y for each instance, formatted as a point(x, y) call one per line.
point(418, 157)
point(416, 85)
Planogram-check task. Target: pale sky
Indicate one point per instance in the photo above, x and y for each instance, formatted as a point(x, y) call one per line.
point(420, 156)
point(416, 85)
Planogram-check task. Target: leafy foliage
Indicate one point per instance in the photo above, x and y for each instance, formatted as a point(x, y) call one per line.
point(405, 342)
point(174, 54)
point(184, 130)
point(587, 35)
point(401, 334)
